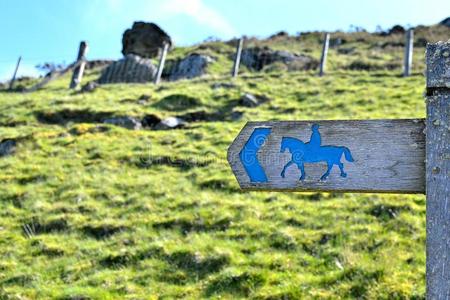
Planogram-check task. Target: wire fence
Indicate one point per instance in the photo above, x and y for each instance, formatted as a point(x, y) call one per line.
point(322, 53)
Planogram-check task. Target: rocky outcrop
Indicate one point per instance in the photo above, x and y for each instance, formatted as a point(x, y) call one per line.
point(7, 147)
point(125, 122)
point(445, 22)
point(280, 34)
point(397, 29)
point(144, 39)
point(250, 100)
point(131, 68)
point(192, 66)
point(156, 123)
point(89, 87)
point(224, 85)
point(150, 121)
point(140, 43)
point(257, 58)
point(98, 63)
point(170, 123)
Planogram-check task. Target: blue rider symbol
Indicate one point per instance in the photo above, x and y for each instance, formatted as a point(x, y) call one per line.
point(314, 152)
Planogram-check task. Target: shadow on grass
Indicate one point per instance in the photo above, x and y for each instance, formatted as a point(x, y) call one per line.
point(185, 265)
point(182, 164)
point(62, 117)
point(240, 284)
point(194, 225)
point(177, 102)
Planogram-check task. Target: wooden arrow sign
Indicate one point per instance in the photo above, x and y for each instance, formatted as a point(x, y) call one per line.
point(358, 156)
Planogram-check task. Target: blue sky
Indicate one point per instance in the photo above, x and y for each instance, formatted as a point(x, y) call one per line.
point(50, 30)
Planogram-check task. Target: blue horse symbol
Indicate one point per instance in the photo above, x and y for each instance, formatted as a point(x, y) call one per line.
point(313, 152)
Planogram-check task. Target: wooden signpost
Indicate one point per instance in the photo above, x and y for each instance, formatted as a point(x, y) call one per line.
point(356, 156)
point(390, 156)
point(438, 170)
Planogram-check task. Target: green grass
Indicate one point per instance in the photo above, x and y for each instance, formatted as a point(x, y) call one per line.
point(101, 212)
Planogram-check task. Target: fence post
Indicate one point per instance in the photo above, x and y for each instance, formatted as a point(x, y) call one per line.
point(323, 59)
point(162, 60)
point(438, 171)
point(237, 59)
point(409, 44)
point(11, 84)
point(79, 70)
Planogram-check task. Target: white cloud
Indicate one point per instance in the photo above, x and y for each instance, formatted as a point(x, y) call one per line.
point(114, 5)
point(200, 12)
point(104, 14)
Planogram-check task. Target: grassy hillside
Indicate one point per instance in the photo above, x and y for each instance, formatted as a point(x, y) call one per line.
point(348, 51)
point(96, 211)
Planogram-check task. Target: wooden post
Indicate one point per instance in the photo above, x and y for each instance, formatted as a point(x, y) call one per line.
point(409, 43)
point(438, 170)
point(11, 84)
point(237, 59)
point(323, 59)
point(162, 60)
point(78, 71)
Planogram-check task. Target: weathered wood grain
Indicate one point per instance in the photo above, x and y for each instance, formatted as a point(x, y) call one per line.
point(78, 71)
point(438, 171)
point(323, 58)
point(389, 156)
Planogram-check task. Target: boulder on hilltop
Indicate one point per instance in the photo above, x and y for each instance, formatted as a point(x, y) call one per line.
point(144, 39)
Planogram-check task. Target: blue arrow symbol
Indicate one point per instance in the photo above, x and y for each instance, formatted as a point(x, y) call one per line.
point(249, 158)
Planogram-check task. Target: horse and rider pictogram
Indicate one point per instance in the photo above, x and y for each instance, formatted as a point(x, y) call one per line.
point(310, 152)
point(314, 152)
